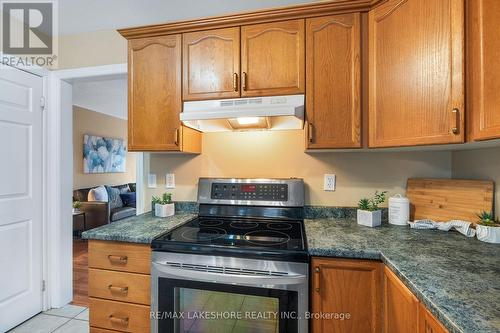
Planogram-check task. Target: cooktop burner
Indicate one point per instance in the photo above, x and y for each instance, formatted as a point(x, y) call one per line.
point(203, 234)
point(280, 226)
point(244, 225)
point(266, 238)
point(210, 223)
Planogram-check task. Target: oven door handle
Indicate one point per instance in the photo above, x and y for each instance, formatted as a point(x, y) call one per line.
point(256, 280)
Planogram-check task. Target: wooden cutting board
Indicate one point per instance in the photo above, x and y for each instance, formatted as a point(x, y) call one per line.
point(443, 200)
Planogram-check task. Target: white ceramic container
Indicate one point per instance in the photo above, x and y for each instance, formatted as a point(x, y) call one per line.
point(164, 210)
point(488, 234)
point(399, 210)
point(369, 219)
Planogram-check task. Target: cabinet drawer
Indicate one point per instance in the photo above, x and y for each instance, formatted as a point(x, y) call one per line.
point(100, 330)
point(118, 286)
point(118, 256)
point(119, 316)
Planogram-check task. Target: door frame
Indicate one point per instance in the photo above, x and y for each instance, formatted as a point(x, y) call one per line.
point(59, 267)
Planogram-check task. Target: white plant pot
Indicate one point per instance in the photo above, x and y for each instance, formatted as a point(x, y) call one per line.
point(164, 210)
point(369, 219)
point(488, 234)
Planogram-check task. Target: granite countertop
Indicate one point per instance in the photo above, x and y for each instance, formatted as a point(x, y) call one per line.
point(454, 276)
point(137, 229)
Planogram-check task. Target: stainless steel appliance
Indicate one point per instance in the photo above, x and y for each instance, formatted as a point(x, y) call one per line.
point(240, 266)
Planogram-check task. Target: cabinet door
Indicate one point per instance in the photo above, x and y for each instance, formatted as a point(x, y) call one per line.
point(416, 73)
point(346, 287)
point(333, 81)
point(484, 68)
point(155, 99)
point(272, 58)
point(211, 64)
point(428, 323)
point(400, 306)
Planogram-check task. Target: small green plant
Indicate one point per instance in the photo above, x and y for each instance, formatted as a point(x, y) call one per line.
point(165, 199)
point(77, 204)
point(372, 204)
point(487, 219)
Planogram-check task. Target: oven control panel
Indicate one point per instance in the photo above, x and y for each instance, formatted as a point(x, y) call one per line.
point(249, 191)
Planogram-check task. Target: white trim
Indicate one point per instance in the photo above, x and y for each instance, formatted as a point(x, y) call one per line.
point(139, 181)
point(86, 72)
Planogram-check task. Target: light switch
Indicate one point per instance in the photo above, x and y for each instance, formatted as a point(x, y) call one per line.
point(169, 180)
point(151, 180)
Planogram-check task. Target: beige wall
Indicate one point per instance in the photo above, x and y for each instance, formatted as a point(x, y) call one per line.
point(479, 164)
point(90, 122)
point(281, 154)
point(94, 48)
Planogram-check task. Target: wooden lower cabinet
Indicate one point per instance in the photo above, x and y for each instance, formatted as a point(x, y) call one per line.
point(119, 287)
point(346, 287)
point(368, 295)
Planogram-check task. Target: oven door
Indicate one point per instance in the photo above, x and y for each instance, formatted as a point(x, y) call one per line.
point(227, 295)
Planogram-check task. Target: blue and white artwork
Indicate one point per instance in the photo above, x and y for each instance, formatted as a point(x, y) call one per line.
point(103, 155)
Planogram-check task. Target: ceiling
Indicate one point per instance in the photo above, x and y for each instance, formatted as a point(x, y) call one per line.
point(79, 16)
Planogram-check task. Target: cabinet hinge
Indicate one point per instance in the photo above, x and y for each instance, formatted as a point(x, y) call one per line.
point(42, 102)
point(44, 287)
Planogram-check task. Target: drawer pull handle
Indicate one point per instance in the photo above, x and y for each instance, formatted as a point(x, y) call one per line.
point(118, 259)
point(120, 290)
point(244, 81)
point(310, 133)
point(118, 320)
point(317, 278)
point(235, 81)
point(455, 130)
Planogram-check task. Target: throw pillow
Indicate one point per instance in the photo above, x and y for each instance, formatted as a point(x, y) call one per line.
point(114, 197)
point(123, 188)
point(129, 199)
point(132, 187)
point(98, 194)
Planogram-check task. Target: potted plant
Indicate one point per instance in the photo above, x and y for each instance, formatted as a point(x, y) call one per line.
point(163, 205)
point(76, 206)
point(369, 213)
point(487, 228)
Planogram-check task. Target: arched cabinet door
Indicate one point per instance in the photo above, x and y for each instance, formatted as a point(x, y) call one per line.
point(211, 64)
point(333, 68)
point(154, 93)
point(416, 65)
point(483, 46)
point(272, 59)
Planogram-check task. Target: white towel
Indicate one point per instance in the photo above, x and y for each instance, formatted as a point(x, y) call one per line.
point(462, 227)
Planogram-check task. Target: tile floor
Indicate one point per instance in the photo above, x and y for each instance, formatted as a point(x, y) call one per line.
point(68, 319)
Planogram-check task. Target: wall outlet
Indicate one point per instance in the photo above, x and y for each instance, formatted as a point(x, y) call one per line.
point(329, 182)
point(169, 180)
point(151, 180)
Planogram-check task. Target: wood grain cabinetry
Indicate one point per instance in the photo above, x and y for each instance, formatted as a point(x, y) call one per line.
point(483, 65)
point(273, 58)
point(427, 323)
point(416, 60)
point(119, 286)
point(333, 67)
point(346, 287)
point(401, 307)
point(211, 64)
point(155, 98)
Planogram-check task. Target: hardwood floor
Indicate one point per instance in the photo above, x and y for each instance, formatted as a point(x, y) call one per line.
point(80, 272)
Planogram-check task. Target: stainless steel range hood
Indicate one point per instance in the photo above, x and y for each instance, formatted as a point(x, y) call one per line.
point(256, 113)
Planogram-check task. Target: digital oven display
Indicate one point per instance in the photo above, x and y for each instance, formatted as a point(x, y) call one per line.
point(248, 188)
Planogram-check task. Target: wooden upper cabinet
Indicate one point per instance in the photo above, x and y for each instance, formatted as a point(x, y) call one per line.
point(346, 286)
point(272, 58)
point(416, 73)
point(401, 307)
point(483, 46)
point(211, 61)
point(155, 99)
point(333, 97)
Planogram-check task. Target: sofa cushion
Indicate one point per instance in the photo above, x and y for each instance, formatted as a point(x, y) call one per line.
point(129, 199)
point(122, 188)
point(121, 213)
point(98, 194)
point(114, 197)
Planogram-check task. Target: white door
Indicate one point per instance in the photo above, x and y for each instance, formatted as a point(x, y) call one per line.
point(20, 196)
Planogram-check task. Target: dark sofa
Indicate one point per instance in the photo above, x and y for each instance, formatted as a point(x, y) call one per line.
point(99, 213)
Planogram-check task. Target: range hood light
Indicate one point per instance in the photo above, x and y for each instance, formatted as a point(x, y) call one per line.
point(248, 120)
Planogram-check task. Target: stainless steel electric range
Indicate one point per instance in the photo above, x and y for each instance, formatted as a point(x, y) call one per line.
point(240, 266)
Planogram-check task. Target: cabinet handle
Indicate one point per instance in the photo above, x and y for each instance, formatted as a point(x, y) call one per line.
point(455, 130)
point(119, 290)
point(317, 272)
point(310, 132)
point(244, 81)
point(118, 320)
point(176, 141)
point(235, 81)
point(118, 259)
